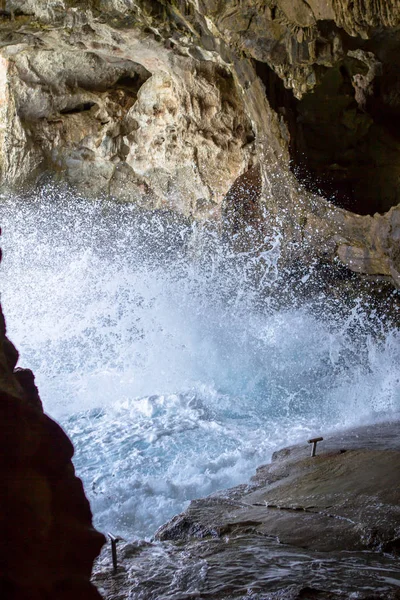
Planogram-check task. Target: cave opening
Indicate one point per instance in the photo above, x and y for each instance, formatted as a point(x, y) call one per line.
point(345, 134)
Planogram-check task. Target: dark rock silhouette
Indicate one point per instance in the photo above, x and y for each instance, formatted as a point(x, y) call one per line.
point(47, 541)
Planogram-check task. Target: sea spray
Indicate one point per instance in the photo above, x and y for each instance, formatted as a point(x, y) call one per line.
point(176, 362)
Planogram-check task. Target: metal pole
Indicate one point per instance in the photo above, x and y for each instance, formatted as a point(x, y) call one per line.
point(114, 540)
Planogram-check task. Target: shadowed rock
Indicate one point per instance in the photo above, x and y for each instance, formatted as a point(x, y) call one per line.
point(47, 542)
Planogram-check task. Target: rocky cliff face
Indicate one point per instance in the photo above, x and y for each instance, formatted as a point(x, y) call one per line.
point(168, 103)
point(47, 543)
point(110, 109)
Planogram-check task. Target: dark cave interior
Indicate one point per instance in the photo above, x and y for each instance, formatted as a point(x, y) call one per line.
point(345, 134)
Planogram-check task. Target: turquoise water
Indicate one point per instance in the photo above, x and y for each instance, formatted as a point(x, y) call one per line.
point(177, 365)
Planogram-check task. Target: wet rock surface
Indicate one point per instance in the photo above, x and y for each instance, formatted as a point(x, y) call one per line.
point(342, 498)
point(321, 527)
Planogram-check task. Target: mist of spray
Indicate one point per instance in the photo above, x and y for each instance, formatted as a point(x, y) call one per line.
point(164, 355)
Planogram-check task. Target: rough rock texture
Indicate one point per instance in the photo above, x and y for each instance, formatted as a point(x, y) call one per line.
point(304, 527)
point(113, 111)
point(345, 498)
point(167, 103)
point(47, 542)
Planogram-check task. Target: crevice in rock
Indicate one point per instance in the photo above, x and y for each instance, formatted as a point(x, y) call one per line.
point(125, 74)
point(281, 99)
point(131, 83)
point(79, 108)
point(345, 134)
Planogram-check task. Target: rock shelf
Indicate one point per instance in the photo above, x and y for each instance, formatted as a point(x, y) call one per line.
point(340, 507)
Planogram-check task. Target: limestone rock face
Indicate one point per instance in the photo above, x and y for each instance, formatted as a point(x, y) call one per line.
point(169, 104)
point(47, 544)
point(114, 112)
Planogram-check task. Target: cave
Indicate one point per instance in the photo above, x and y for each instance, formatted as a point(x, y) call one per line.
point(345, 134)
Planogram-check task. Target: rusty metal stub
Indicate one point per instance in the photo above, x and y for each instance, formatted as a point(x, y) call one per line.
point(114, 540)
point(314, 442)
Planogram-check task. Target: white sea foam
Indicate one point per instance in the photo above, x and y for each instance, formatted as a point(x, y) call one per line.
point(160, 352)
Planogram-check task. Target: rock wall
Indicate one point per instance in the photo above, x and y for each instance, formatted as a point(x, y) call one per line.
point(47, 542)
point(111, 110)
point(169, 103)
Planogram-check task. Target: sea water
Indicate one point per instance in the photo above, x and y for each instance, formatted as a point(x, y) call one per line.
point(164, 354)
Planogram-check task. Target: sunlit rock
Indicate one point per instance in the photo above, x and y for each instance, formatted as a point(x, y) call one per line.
point(167, 104)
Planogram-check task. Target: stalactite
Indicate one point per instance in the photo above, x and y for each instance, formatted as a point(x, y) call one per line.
point(358, 15)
